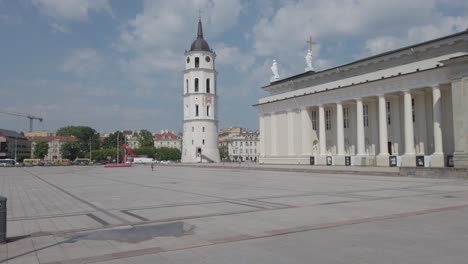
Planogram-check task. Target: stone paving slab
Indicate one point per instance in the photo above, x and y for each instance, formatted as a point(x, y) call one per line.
point(92, 214)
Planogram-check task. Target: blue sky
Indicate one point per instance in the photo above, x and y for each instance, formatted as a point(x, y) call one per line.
point(117, 64)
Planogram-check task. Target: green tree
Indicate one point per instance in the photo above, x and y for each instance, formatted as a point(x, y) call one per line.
point(86, 137)
point(145, 138)
point(41, 149)
point(110, 142)
point(102, 154)
point(71, 150)
point(150, 152)
point(168, 154)
point(223, 152)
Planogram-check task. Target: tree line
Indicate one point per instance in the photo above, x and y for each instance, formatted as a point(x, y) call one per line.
point(87, 143)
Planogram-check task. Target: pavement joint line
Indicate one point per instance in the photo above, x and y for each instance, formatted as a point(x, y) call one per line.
point(48, 216)
point(268, 203)
point(300, 170)
point(139, 217)
point(170, 205)
point(78, 198)
point(246, 237)
point(98, 219)
point(166, 220)
point(248, 204)
point(161, 188)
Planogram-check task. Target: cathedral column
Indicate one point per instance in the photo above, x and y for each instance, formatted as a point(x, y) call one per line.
point(382, 158)
point(322, 135)
point(437, 159)
point(409, 157)
point(273, 140)
point(360, 128)
point(262, 136)
point(340, 152)
point(291, 136)
point(306, 122)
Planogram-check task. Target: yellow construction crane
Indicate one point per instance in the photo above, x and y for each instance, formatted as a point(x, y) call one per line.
point(31, 117)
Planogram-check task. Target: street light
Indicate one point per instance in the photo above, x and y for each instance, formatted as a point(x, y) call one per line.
point(90, 150)
point(16, 147)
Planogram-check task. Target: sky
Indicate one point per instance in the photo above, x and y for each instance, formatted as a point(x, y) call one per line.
point(117, 64)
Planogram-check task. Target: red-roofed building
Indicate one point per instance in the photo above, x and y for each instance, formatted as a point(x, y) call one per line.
point(167, 139)
point(55, 143)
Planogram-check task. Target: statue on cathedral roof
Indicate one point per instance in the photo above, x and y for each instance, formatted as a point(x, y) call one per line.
point(308, 57)
point(274, 69)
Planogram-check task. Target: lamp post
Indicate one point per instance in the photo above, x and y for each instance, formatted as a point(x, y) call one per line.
point(118, 147)
point(90, 150)
point(16, 148)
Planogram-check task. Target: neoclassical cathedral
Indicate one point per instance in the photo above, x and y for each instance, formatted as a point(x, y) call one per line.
point(407, 107)
point(200, 136)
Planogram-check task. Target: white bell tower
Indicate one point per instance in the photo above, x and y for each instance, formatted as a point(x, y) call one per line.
point(200, 136)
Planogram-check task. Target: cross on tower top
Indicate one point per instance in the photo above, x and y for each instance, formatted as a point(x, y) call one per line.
point(199, 13)
point(310, 42)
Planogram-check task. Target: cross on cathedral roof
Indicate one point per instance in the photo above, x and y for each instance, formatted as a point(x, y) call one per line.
point(310, 42)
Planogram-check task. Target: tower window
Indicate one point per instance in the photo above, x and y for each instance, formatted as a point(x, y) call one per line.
point(196, 84)
point(186, 86)
point(413, 110)
point(193, 129)
point(208, 85)
point(207, 110)
point(203, 142)
point(203, 128)
point(196, 110)
point(197, 62)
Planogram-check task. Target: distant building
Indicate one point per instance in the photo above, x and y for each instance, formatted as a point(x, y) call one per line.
point(244, 146)
point(167, 139)
point(40, 133)
point(131, 138)
point(13, 144)
point(227, 133)
point(55, 144)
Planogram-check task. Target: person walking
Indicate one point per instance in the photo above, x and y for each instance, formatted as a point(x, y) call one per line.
point(152, 166)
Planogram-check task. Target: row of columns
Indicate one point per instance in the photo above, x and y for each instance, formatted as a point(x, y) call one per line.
point(306, 128)
point(383, 138)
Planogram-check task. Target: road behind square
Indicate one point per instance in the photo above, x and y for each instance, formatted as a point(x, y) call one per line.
point(209, 215)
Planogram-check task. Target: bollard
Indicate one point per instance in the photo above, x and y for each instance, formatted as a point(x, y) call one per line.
point(3, 219)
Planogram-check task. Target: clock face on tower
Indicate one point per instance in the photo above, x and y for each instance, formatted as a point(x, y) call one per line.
point(188, 59)
point(207, 58)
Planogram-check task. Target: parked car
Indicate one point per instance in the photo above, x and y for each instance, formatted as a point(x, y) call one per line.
point(7, 163)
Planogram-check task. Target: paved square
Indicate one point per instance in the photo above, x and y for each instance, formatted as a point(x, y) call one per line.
point(216, 215)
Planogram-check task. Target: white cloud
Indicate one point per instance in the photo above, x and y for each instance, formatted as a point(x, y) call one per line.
point(74, 10)
point(295, 21)
point(383, 25)
point(233, 57)
point(156, 38)
point(164, 24)
point(83, 63)
point(59, 28)
point(439, 27)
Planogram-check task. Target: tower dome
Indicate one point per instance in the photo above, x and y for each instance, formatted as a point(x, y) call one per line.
point(200, 43)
